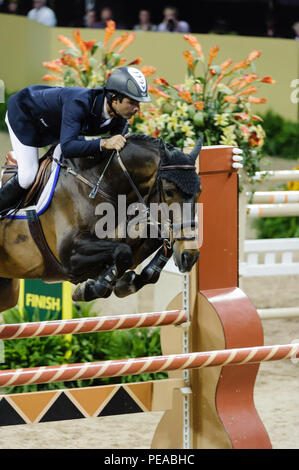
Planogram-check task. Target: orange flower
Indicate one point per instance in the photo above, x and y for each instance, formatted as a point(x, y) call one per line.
point(244, 130)
point(68, 60)
point(156, 133)
point(108, 74)
point(148, 70)
point(84, 60)
point(230, 99)
point(126, 43)
point(52, 78)
point(156, 91)
point(197, 88)
point(136, 61)
point(255, 100)
point(199, 105)
point(267, 79)
point(240, 65)
point(213, 54)
point(254, 55)
point(122, 61)
point(242, 116)
point(212, 71)
point(79, 40)
point(118, 41)
point(194, 43)
point(248, 79)
point(161, 81)
point(254, 117)
point(235, 82)
point(66, 41)
point(254, 140)
point(53, 65)
point(248, 91)
point(109, 31)
point(186, 95)
point(226, 64)
point(189, 59)
point(89, 44)
point(217, 80)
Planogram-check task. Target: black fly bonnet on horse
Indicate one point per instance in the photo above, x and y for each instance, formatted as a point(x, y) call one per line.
point(185, 178)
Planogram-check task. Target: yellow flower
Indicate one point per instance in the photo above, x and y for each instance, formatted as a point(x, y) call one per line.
point(187, 129)
point(182, 109)
point(161, 121)
point(173, 121)
point(293, 185)
point(228, 140)
point(221, 119)
point(229, 131)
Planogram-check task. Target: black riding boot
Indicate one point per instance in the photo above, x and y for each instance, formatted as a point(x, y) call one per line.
point(10, 194)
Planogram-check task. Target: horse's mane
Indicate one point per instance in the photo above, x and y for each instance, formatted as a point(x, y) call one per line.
point(86, 163)
point(149, 139)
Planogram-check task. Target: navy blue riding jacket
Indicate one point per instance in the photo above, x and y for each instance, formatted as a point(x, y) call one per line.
point(42, 115)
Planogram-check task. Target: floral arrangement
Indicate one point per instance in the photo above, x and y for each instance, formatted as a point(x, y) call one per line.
point(215, 102)
point(78, 66)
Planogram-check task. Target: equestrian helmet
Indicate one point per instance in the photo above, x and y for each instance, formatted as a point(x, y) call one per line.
point(130, 82)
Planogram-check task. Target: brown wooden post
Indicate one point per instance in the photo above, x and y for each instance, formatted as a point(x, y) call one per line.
point(223, 414)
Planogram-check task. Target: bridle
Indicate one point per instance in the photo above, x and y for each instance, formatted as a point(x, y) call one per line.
point(171, 228)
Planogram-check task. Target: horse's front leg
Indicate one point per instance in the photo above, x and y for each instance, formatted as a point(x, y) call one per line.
point(131, 282)
point(102, 287)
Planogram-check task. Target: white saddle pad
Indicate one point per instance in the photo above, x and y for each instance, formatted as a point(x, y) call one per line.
point(47, 194)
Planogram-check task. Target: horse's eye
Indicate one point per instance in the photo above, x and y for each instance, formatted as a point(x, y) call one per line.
point(169, 192)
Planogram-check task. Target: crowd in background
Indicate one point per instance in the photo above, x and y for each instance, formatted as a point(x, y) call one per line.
point(270, 18)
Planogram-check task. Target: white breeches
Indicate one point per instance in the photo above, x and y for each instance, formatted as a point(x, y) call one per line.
point(27, 158)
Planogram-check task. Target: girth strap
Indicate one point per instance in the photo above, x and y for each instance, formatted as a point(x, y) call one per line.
point(53, 269)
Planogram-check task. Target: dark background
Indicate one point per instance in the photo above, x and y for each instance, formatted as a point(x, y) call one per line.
point(243, 17)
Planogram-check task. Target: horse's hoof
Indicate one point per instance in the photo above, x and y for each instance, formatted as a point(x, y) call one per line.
point(78, 294)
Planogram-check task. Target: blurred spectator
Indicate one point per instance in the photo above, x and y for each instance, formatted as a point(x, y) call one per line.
point(12, 7)
point(106, 15)
point(270, 32)
point(171, 23)
point(42, 14)
point(296, 30)
point(9, 6)
point(91, 19)
point(145, 22)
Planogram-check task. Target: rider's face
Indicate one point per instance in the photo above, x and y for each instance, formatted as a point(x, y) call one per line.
point(126, 108)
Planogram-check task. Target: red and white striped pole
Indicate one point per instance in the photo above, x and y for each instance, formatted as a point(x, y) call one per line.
point(121, 367)
point(91, 324)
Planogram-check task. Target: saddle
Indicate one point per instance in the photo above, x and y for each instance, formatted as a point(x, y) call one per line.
point(53, 268)
point(10, 168)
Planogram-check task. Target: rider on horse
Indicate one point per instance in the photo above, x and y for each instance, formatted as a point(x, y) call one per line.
point(41, 115)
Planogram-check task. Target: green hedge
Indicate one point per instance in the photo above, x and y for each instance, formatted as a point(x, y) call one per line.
point(282, 136)
point(3, 108)
point(277, 227)
point(86, 347)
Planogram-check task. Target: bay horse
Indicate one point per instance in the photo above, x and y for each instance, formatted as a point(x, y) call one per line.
point(146, 170)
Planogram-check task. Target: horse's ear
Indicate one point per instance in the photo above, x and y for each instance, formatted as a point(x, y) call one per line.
point(162, 149)
point(196, 149)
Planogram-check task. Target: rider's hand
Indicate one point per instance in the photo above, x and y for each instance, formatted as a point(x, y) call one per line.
point(116, 142)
